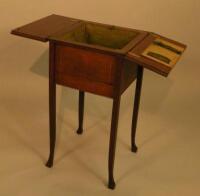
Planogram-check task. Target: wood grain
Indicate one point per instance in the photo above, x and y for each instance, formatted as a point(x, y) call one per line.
point(41, 29)
point(85, 63)
point(85, 84)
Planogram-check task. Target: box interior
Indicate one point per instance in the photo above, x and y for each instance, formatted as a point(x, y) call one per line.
point(100, 35)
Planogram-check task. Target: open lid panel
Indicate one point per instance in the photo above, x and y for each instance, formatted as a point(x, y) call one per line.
point(42, 29)
point(157, 53)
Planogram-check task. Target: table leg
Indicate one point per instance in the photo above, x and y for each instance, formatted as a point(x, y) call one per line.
point(136, 107)
point(52, 107)
point(81, 111)
point(113, 137)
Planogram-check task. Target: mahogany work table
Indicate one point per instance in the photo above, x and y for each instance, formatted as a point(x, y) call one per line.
point(100, 59)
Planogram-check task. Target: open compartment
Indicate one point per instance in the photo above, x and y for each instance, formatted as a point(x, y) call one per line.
point(104, 37)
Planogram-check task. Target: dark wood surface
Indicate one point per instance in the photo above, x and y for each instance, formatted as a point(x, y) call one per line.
point(114, 121)
point(83, 63)
point(89, 70)
point(43, 28)
point(86, 70)
point(52, 104)
point(138, 89)
point(80, 112)
point(75, 82)
point(129, 74)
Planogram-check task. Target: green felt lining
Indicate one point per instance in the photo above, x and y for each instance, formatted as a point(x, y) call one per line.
point(94, 34)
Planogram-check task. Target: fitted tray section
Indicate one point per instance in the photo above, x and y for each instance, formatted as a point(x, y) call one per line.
point(157, 53)
point(101, 36)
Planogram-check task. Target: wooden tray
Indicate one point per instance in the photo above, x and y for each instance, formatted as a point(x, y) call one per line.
point(157, 53)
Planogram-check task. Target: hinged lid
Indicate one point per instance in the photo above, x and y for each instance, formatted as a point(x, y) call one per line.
point(45, 27)
point(157, 53)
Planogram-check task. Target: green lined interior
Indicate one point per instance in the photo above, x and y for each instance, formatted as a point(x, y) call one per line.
point(94, 34)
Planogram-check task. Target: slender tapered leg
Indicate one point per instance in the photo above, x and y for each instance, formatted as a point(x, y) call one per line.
point(136, 107)
point(52, 106)
point(81, 112)
point(112, 145)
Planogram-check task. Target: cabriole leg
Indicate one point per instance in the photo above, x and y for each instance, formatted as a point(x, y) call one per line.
point(52, 106)
point(136, 107)
point(112, 145)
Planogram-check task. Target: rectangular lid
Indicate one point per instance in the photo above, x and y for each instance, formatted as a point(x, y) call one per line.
point(45, 27)
point(157, 53)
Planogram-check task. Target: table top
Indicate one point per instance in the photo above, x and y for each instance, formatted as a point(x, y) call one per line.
point(152, 51)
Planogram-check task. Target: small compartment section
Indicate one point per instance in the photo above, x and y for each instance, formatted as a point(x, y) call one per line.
point(157, 53)
point(163, 51)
